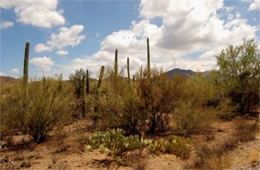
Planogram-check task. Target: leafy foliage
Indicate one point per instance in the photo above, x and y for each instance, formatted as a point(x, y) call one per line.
point(239, 70)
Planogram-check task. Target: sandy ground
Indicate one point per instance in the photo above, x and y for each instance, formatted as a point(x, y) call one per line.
point(64, 150)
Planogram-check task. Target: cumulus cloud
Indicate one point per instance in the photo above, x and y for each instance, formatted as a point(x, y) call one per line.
point(43, 63)
point(62, 52)
point(40, 13)
point(187, 27)
point(14, 71)
point(255, 4)
point(65, 37)
point(6, 24)
point(2, 74)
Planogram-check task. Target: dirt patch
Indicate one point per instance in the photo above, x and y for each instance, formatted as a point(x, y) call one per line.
point(65, 150)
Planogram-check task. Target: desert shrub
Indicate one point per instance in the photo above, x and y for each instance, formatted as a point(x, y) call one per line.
point(83, 102)
point(120, 105)
point(173, 145)
point(221, 102)
point(239, 74)
point(48, 103)
point(190, 119)
point(76, 81)
point(192, 114)
point(245, 130)
point(139, 107)
point(157, 95)
point(115, 143)
point(211, 157)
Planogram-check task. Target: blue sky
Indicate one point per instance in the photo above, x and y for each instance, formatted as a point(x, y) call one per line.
point(66, 35)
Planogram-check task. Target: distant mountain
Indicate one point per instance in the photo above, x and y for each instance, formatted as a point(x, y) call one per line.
point(5, 80)
point(180, 72)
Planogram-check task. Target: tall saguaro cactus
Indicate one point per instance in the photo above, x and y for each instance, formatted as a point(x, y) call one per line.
point(141, 72)
point(83, 97)
point(116, 63)
point(128, 70)
point(101, 75)
point(87, 83)
point(25, 68)
point(148, 59)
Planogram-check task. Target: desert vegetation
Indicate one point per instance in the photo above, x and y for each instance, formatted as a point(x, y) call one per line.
point(131, 118)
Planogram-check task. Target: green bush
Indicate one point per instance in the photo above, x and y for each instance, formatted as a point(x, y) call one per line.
point(193, 113)
point(238, 74)
point(115, 143)
point(120, 105)
point(48, 103)
point(157, 95)
point(173, 145)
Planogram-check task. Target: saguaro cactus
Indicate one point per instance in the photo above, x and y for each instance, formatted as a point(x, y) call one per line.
point(25, 68)
point(148, 59)
point(101, 75)
point(87, 83)
point(141, 72)
point(83, 97)
point(128, 70)
point(116, 64)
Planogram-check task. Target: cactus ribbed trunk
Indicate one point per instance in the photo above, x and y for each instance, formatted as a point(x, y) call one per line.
point(128, 70)
point(116, 64)
point(148, 59)
point(101, 75)
point(83, 97)
point(141, 72)
point(87, 83)
point(25, 68)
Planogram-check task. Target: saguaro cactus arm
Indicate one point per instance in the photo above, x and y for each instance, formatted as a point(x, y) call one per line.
point(116, 63)
point(87, 83)
point(128, 70)
point(25, 68)
point(148, 59)
point(96, 108)
point(83, 97)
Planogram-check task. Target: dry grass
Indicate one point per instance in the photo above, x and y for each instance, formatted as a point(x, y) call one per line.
point(255, 157)
point(245, 130)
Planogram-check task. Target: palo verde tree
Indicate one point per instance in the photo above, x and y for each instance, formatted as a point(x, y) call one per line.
point(239, 74)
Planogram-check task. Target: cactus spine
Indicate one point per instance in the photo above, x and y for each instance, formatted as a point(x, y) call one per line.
point(83, 97)
point(148, 59)
point(101, 75)
point(25, 68)
point(116, 64)
point(128, 71)
point(87, 83)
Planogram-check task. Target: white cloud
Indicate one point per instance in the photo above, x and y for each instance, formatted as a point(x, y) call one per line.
point(2, 74)
point(40, 13)
point(187, 27)
point(42, 47)
point(43, 63)
point(62, 52)
point(65, 37)
point(15, 71)
point(254, 5)
point(6, 24)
